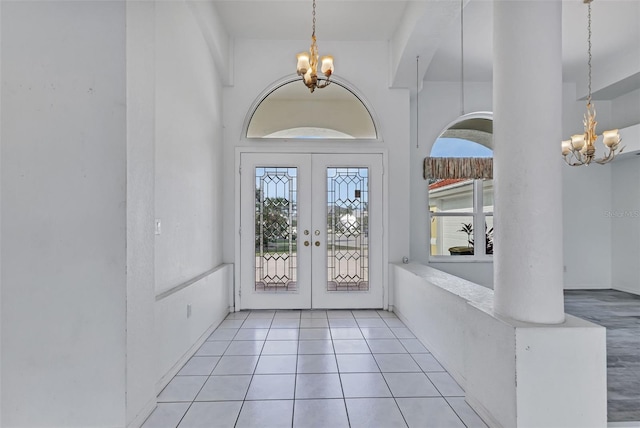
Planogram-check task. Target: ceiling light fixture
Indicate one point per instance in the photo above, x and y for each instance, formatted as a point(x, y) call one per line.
point(580, 149)
point(308, 62)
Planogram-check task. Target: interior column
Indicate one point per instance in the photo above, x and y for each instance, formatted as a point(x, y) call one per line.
point(527, 97)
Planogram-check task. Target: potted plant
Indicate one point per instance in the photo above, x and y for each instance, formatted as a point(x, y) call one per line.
point(468, 250)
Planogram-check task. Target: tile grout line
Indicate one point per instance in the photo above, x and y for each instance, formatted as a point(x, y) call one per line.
point(384, 378)
point(244, 400)
point(335, 356)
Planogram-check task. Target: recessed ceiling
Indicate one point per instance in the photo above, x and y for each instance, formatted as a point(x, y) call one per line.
point(616, 30)
point(343, 20)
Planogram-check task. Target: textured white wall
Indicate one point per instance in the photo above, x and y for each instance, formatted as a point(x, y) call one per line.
point(141, 372)
point(188, 188)
point(188, 149)
point(625, 225)
point(84, 85)
point(63, 213)
point(586, 193)
point(625, 111)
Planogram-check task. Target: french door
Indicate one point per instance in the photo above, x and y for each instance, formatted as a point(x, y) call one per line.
point(311, 231)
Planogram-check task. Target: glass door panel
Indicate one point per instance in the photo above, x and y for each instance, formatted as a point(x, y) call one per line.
point(347, 208)
point(274, 269)
point(275, 229)
point(347, 223)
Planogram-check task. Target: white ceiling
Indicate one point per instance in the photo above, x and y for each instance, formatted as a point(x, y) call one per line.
point(615, 26)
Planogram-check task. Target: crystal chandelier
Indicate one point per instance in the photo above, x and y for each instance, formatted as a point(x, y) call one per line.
point(308, 62)
point(580, 149)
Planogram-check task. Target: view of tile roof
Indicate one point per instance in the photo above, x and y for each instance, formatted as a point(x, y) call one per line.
point(446, 182)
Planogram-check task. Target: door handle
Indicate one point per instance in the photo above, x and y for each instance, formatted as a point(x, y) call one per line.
point(317, 243)
point(306, 243)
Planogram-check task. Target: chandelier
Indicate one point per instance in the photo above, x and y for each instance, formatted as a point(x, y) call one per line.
point(308, 62)
point(580, 149)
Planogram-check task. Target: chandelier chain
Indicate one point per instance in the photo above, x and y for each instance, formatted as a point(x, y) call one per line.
point(417, 101)
point(314, 19)
point(308, 62)
point(462, 56)
point(580, 148)
point(589, 43)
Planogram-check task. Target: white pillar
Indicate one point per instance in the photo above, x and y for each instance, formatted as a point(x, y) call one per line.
point(527, 97)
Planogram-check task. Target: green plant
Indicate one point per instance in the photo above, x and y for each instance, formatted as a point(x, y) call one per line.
point(488, 236)
point(468, 229)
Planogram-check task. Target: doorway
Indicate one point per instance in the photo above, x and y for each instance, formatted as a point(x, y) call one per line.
point(311, 231)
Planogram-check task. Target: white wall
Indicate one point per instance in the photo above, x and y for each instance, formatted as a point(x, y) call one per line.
point(188, 149)
point(63, 213)
point(188, 188)
point(180, 333)
point(625, 110)
point(625, 208)
point(95, 94)
point(587, 198)
point(141, 371)
point(276, 61)
point(625, 219)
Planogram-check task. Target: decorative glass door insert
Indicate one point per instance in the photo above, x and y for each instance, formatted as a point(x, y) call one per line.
point(347, 224)
point(275, 228)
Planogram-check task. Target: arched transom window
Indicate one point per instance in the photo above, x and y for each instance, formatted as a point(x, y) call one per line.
point(290, 111)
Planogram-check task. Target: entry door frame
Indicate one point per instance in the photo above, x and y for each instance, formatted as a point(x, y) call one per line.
point(319, 148)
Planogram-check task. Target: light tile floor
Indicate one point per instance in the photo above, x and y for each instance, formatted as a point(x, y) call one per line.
point(325, 369)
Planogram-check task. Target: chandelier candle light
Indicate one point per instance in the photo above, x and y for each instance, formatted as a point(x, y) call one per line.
point(580, 149)
point(308, 62)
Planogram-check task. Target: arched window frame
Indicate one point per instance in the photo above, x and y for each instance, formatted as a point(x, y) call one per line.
point(293, 78)
point(477, 213)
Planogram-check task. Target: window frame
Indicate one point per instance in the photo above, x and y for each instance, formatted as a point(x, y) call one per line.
point(479, 217)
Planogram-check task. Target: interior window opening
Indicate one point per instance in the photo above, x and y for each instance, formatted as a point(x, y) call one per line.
point(461, 209)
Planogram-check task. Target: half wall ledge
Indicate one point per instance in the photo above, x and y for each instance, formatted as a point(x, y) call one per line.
point(514, 374)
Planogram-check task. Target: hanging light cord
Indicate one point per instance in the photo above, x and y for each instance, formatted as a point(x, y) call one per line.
point(462, 57)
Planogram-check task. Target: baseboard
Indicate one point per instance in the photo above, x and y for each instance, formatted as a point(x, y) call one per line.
point(627, 290)
point(166, 378)
point(484, 414)
point(630, 424)
point(144, 414)
point(585, 287)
